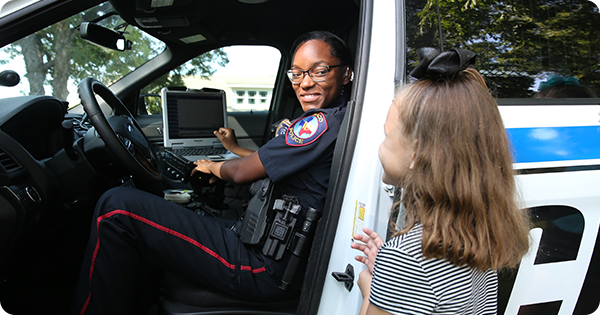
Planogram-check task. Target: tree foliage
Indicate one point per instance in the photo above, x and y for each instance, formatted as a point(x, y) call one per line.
point(201, 65)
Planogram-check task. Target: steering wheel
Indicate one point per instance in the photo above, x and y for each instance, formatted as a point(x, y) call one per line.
point(121, 133)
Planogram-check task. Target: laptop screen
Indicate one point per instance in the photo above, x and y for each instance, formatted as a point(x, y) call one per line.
point(190, 117)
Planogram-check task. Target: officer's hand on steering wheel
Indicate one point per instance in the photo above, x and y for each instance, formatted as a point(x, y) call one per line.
point(203, 166)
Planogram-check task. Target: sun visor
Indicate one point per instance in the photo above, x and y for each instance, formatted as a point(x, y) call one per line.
point(162, 22)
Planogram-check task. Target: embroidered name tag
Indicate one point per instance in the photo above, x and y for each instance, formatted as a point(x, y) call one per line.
point(306, 130)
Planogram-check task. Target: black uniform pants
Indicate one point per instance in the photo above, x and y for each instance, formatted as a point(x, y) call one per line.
point(135, 236)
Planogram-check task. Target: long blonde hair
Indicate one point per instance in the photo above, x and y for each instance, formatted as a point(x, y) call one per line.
point(462, 188)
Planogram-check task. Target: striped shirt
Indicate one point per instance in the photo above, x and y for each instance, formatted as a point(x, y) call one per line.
point(405, 282)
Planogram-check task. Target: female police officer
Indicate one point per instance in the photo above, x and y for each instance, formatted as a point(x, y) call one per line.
point(136, 235)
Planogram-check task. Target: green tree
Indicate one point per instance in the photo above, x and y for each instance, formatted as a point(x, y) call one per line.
point(201, 65)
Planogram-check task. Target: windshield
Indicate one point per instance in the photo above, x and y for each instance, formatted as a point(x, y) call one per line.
point(54, 60)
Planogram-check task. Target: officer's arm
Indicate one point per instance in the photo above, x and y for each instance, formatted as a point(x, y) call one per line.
point(238, 171)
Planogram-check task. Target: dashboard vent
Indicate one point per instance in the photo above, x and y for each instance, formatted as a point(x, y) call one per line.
point(8, 163)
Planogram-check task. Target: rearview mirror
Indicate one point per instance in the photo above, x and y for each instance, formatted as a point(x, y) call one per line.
point(104, 37)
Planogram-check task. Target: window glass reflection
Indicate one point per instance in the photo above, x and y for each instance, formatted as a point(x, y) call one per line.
point(519, 43)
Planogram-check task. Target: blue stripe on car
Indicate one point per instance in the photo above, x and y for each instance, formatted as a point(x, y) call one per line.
point(549, 144)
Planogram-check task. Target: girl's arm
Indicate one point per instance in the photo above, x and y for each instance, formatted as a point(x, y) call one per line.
point(372, 309)
point(372, 243)
point(364, 283)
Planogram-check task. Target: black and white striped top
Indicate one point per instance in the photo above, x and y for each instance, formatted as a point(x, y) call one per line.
point(404, 282)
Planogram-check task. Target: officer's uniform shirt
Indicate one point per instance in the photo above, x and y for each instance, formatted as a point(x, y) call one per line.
point(300, 159)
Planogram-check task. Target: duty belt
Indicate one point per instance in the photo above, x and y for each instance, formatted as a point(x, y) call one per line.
point(271, 223)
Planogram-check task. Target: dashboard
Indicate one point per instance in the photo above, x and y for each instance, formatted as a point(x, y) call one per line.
point(34, 122)
point(43, 174)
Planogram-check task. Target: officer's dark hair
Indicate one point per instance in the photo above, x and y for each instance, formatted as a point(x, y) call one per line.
point(337, 46)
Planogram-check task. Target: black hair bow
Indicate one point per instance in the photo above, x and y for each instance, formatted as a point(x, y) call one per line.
point(434, 64)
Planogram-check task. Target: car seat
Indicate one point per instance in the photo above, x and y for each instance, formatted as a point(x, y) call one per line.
point(182, 296)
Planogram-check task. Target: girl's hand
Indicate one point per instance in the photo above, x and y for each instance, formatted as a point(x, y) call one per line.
point(372, 243)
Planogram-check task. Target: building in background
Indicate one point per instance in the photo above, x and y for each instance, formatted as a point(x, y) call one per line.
point(243, 93)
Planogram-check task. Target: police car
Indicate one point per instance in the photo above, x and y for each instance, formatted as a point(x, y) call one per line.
point(51, 176)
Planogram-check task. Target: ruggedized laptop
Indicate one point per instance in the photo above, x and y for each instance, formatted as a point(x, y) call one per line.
point(189, 119)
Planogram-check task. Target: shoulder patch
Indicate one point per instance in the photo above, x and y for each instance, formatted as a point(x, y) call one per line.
point(306, 130)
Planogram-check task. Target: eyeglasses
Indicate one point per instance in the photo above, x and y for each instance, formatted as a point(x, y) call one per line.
point(317, 73)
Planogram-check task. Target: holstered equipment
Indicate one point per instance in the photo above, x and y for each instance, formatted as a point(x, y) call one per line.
point(255, 218)
point(271, 223)
point(301, 241)
point(286, 209)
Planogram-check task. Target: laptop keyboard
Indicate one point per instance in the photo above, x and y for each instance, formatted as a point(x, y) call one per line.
point(199, 151)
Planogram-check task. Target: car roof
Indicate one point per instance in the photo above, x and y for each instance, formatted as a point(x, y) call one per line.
point(227, 22)
point(221, 22)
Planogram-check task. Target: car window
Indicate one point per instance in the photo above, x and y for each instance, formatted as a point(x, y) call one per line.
point(246, 74)
point(519, 43)
point(54, 60)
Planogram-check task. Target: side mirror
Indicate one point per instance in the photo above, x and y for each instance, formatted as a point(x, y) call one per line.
point(9, 78)
point(104, 37)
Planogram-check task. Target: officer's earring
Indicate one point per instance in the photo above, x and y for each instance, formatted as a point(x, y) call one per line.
point(349, 74)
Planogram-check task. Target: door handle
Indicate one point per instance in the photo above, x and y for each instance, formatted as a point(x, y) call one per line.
point(346, 277)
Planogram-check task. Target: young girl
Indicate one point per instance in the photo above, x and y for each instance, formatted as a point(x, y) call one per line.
point(446, 146)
